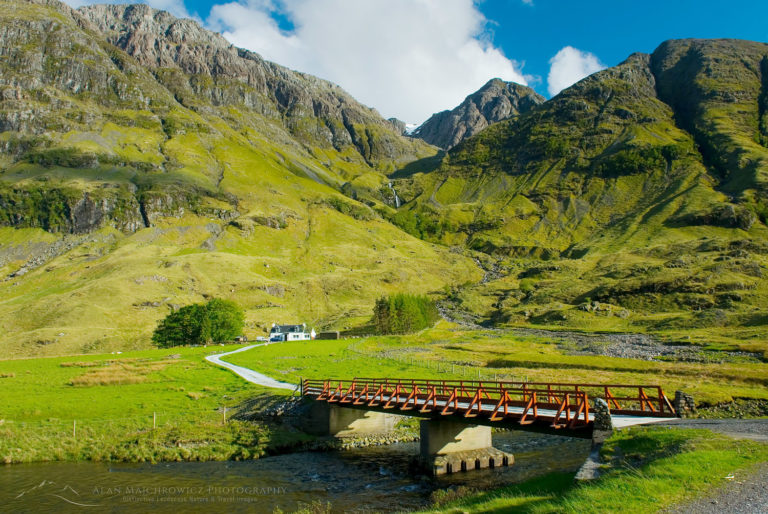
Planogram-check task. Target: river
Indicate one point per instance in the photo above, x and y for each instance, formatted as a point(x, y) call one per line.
point(362, 480)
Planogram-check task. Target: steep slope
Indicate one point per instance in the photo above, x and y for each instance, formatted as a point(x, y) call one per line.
point(133, 181)
point(642, 184)
point(202, 69)
point(495, 101)
point(719, 92)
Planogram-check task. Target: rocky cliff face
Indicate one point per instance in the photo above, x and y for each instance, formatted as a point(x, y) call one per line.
point(495, 101)
point(49, 63)
point(132, 56)
point(202, 68)
point(129, 103)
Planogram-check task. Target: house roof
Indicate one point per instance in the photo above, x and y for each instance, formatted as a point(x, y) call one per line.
point(287, 329)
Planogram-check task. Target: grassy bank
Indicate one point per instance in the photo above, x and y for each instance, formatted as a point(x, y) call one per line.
point(170, 404)
point(448, 353)
point(650, 469)
point(154, 405)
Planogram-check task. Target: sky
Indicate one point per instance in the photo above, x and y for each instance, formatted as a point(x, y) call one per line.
point(412, 58)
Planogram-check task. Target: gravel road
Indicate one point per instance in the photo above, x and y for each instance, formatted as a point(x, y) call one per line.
point(746, 493)
point(754, 429)
point(249, 374)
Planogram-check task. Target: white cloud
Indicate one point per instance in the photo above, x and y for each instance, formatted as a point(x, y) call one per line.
point(175, 7)
point(407, 58)
point(569, 66)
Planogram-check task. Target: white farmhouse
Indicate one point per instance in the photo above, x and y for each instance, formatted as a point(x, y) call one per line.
point(290, 333)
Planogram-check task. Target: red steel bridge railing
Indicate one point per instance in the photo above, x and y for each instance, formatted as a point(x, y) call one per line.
point(562, 405)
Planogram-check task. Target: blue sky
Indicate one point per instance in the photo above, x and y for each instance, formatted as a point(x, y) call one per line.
point(410, 58)
point(612, 30)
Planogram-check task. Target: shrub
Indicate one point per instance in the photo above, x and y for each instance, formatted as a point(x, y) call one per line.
point(404, 313)
point(634, 160)
point(357, 211)
point(527, 286)
point(217, 320)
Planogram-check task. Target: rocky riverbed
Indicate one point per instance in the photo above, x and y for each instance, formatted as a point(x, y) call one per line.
point(634, 346)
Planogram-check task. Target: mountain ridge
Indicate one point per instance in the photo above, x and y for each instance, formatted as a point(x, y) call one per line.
point(158, 40)
point(129, 189)
point(639, 186)
point(146, 164)
point(496, 101)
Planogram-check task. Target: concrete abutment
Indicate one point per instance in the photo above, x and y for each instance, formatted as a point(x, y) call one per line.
point(331, 419)
point(450, 446)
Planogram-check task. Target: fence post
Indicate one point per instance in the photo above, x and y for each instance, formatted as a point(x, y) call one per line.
point(154, 420)
point(224, 417)
point(74, 429)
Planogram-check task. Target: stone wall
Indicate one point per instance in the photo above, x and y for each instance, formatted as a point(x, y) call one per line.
point(684, 404)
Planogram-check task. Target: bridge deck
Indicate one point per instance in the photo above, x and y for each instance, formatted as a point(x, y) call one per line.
point(461, 405)
point(558, 405)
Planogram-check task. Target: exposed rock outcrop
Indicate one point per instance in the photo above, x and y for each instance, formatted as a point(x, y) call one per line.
point(495, 101)
point(202, 68)
point(120, 114)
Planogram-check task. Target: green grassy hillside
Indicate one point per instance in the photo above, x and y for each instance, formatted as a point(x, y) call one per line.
point(127, 189)
point(641, 188)
point(145, 163)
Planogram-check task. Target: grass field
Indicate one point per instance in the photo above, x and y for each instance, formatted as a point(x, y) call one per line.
point(650, 469)
point(104, 407)
point(449, 353)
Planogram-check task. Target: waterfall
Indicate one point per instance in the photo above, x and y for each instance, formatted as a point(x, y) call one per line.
point(397, 198)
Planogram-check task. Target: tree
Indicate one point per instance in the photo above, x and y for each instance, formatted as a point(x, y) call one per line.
point(184, 326)
point(225, 320)
point(218, 320)
point(404, 313)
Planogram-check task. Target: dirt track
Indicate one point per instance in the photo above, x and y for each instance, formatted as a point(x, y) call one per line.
point(249, 374)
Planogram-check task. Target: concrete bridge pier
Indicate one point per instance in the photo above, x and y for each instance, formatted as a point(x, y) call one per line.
point(450, 446)
point(332, 419)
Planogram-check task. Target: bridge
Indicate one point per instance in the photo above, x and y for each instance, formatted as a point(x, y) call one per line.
point(458, 414)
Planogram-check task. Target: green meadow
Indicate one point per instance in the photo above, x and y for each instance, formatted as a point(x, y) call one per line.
point(648, 468)
point(153, 405)
point(171, 404)
point(446, 352)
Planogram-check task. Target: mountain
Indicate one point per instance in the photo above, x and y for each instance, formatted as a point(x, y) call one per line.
point(202, 69)
point(495, 101)
point(642, 187)
point(146, 163)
